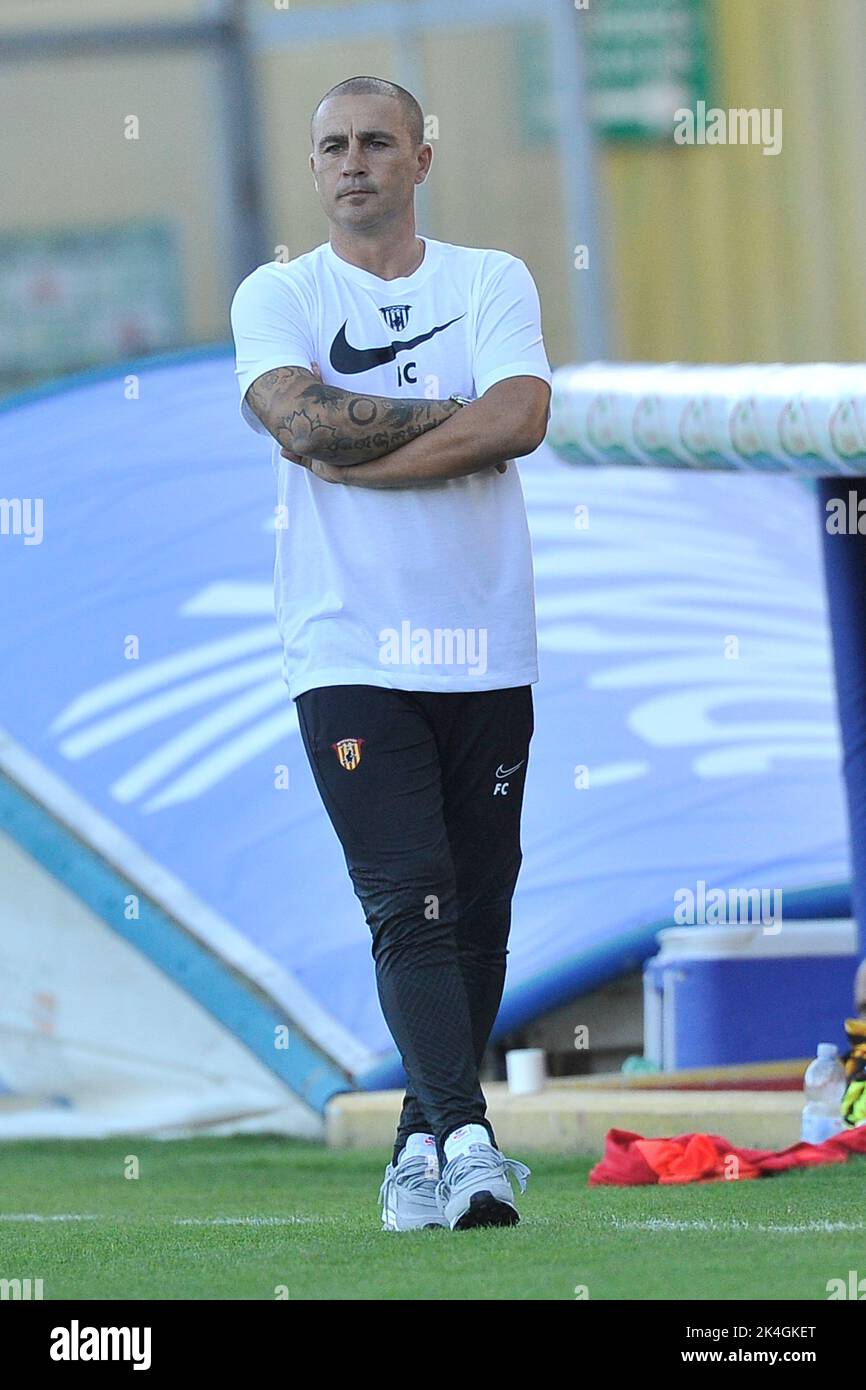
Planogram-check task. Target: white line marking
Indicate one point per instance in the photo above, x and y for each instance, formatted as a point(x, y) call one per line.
point(248, 1220)
point(175, 1220)
point(731, 1227)
point(38, 1216)
point(653, 1224)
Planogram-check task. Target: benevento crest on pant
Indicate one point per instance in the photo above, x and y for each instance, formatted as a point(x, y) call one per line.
point(348, 750)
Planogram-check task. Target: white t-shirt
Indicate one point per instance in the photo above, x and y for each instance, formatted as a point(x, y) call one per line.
point(412, 588)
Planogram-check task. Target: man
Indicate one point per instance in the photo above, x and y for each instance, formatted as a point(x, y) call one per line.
point(404, 597)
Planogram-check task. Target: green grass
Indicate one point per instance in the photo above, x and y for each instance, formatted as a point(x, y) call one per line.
point(570, 1234)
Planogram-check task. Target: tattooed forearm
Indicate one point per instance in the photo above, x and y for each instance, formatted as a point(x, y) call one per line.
point(340, 426)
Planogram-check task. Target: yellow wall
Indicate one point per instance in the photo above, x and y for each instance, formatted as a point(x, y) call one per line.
point(23, 15)
point(716, 253)
point(724, 254)
point(64, 161)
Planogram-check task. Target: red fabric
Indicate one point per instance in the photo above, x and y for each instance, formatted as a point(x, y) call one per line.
point(630, 1160)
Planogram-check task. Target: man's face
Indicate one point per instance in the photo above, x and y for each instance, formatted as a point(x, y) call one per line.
point(362, 143)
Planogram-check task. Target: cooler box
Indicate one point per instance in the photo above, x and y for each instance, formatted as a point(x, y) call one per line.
point(716, 995)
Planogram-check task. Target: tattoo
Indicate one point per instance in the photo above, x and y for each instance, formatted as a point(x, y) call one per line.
point(329, 423)
point(362, 412)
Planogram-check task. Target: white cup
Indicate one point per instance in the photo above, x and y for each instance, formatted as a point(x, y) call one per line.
point(526, 1070)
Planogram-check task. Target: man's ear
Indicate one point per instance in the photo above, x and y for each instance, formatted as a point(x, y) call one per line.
point(422, 176)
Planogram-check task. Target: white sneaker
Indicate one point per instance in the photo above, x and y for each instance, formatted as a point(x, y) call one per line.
point(475, 1188)
point(409, 1193)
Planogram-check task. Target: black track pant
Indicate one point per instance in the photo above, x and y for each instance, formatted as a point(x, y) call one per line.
point(424, 790)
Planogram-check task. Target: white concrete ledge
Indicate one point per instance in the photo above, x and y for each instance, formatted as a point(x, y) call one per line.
point(573, 1118)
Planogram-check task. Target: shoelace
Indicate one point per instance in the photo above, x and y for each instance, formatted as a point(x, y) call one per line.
point(412, 1173)
point(466, 1164)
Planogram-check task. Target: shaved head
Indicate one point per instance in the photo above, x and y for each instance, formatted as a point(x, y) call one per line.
point(413, 116)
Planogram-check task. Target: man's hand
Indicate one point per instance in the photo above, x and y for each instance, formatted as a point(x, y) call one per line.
point(507, 422)
point(331, 473)
point(334, 473)
point(328, 472)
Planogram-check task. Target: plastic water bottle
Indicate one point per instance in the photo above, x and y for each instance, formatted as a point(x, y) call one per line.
point(824, 1086)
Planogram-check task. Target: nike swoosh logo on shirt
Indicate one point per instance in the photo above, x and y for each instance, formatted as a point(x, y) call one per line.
point(506, 772)
point(348, 360)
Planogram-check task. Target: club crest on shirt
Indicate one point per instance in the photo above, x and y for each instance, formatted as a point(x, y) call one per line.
point(396, 315)
point(348, 750)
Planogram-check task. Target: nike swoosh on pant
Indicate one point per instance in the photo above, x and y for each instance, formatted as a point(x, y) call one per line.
point(506, 772)
point(348, 360)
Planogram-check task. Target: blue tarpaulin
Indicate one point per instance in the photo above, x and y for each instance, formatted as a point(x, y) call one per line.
point(686, 726)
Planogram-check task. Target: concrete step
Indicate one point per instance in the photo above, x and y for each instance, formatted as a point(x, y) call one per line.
point(573, 1118)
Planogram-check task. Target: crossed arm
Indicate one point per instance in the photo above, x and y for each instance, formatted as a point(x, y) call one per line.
point(377, 441)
